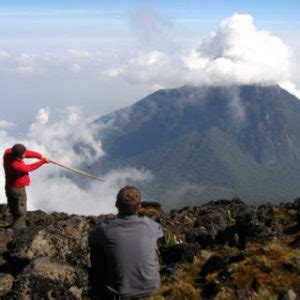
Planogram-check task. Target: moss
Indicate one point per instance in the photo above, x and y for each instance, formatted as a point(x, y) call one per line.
point(226, 294)
point(264, 264)
point(180, 291)
point(296, 259)
point(273, 265)
point(181, 284)
point(264, 294)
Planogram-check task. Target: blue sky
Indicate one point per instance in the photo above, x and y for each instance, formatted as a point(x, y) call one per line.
point(280, 14)
point(41, 41)
point(215, 8)
point(111, 19)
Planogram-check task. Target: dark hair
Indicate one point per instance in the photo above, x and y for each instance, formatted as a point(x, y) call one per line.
point(128, 200)
point(18, 150)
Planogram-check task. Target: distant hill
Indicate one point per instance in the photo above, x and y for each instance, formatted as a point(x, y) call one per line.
point(205, 143)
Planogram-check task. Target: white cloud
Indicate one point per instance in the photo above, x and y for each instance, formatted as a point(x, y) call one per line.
point(237, 53)
point(5, 124)
point(290, 87)
point(71, 138)
point(36, 63)
point(42, 116)
point(149, 59)
point(4, 55)
point(113, 72)
point(75, 68)
point(25, 70)
point(83, 54)
point(152, 30)
point(194, 61)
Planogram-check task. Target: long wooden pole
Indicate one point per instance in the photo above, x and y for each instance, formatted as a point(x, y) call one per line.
point(77, 171)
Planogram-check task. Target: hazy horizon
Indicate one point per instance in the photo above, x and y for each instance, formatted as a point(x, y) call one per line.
point(64, 63)
point(102, 56)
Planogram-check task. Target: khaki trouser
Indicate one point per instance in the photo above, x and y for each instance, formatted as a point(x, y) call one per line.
point(16, 199)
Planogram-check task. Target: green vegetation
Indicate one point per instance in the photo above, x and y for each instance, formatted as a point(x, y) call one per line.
point(274, 266)
point(195, 143)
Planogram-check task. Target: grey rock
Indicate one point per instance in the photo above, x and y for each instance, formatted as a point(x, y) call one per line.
point(290, 295)
point(44, 278)
point(6, 283)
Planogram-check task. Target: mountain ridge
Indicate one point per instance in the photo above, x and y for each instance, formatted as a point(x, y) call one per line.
point(241, 139)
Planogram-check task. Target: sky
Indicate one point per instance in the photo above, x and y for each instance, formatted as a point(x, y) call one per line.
point(70, 53)
point(65, 63)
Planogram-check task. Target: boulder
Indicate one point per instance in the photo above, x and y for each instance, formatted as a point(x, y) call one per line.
point(213, 264)
point(39, 218)
point(290, 295)
point(31, 242)
point(257, 224)
point(219, 262)
point(148, 204)
point(296, 203)
point(5, 216)
point(215, 225)
point(6, 283)
point(6, 236)
point(44, 278)
point(211, 289)
point(179, 253)
point(66, 240)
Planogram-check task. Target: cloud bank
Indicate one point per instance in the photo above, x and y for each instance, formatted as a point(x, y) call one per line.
point(155, 54)
point(237, 53)
point(70, 138)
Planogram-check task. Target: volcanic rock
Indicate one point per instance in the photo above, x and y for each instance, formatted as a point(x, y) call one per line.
point(49, 259)
point(48, 279)
point(219, 262)
point(210, 289)
point(65, 240)
point(257, 224)
point(6, 282)
point(216, 223)
point(5, 216)
point(179, 253)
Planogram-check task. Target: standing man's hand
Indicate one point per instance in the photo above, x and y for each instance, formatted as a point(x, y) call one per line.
point(47, 160)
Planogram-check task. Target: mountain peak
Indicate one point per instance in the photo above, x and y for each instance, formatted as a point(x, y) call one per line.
point(225, 140)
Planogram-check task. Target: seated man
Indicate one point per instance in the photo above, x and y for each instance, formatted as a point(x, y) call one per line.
point(123, 251)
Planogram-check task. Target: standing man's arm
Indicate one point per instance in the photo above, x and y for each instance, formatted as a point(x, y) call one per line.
point(19, 166)
point(33, 154)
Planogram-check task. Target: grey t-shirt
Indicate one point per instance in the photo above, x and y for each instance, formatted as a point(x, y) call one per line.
point(129, 245)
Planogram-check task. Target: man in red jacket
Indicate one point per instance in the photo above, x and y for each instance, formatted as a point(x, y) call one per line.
point(17, 178)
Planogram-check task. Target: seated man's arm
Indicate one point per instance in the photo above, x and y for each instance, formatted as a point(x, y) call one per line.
point(97, 258)
point(161, 242)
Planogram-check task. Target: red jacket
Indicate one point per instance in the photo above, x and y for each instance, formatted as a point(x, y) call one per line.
point(16, 171)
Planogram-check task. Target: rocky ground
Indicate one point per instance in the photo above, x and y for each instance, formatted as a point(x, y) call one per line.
point(220, 250)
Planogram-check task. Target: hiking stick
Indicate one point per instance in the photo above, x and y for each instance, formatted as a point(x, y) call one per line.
point(77, 171)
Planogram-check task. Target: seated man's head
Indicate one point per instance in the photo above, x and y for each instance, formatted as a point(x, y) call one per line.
point(128, 201)
point(18, 151)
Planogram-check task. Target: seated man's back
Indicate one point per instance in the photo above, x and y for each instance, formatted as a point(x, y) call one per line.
point(127, 246)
